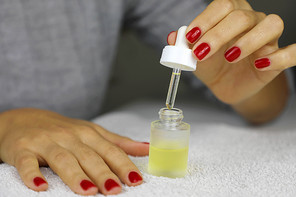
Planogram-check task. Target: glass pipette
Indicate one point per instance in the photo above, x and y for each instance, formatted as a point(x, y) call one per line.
point(172, 92)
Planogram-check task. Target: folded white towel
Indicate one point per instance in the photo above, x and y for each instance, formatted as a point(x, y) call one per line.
point(226, 157)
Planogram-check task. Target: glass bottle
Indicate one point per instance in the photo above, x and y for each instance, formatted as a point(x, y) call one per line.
point(169, 141)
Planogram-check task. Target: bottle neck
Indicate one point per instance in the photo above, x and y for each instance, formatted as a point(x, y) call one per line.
point(170, 117)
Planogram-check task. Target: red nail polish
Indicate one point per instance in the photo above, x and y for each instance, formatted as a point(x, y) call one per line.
point(262, 63)
point(145, 143)
point(193, 34)
point(86, 184)
point(232, 54)
point(169, 36)
point(38, 181)
point(134, 177)
point(202, 50)
point(110, 184)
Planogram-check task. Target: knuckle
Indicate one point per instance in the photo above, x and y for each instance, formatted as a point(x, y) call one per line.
point(87, 153)
point(85, 129)
point(277, 21)
point(21, 143)
point(40, 137)
point(61, 130)
point(286, 57)
point(100, 129)
point(243, 16)
point(261, 14)
point(24, 160)
point(114, 151)
point(61, 157)
point(227, 5)
point(87, 133)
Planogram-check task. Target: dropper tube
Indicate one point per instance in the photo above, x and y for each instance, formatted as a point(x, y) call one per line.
point(173, 88)
point(179, 57)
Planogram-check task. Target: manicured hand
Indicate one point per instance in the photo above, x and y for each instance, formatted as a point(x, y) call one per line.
point(87, 157)
point(237, 49)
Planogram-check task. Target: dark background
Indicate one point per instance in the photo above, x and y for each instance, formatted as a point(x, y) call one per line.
point(137, 73)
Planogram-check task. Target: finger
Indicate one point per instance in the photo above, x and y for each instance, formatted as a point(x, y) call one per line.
point(130, 146)
point(95, 167)
point(278, 60)
point(267, 31)
point(230, 27)
point(67, 167)
point(115, 158)
point(171, 39)
point(211, 16)
point(27, 166)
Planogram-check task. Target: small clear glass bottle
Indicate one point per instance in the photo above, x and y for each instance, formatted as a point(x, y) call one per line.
point(169, 141)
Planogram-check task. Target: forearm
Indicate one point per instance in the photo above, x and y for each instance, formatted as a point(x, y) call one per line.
point(267, 104)
point(2, 132)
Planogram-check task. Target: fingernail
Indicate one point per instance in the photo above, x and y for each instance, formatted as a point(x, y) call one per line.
point(134, 177)
point(202, 50)
point(38, 181)
point(86, 184)
point(262, 63)
point(193, 34)
point(145, 143)
point(110, 184)
point(169, 36)
point(232, 54)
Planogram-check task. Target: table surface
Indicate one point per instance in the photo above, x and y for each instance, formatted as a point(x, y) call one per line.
point(227, 157)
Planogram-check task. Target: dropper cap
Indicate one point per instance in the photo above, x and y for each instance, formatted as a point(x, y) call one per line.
point(179, 56)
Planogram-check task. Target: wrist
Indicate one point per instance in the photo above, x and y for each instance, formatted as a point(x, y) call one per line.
point(267, 104)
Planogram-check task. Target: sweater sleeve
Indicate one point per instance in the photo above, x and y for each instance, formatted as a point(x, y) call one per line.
point(154, 19)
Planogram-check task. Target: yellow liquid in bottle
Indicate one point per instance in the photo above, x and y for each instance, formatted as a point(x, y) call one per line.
point(168, 162)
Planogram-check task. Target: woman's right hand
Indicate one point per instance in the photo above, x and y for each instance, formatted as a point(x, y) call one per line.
point(87, 157)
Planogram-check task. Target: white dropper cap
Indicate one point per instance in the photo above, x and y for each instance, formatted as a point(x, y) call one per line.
point(179, 56)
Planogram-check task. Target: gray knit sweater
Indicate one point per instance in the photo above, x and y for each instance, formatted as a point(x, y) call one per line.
point(57, 54)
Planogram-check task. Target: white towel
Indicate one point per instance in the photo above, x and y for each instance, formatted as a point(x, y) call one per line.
point(226, 156)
